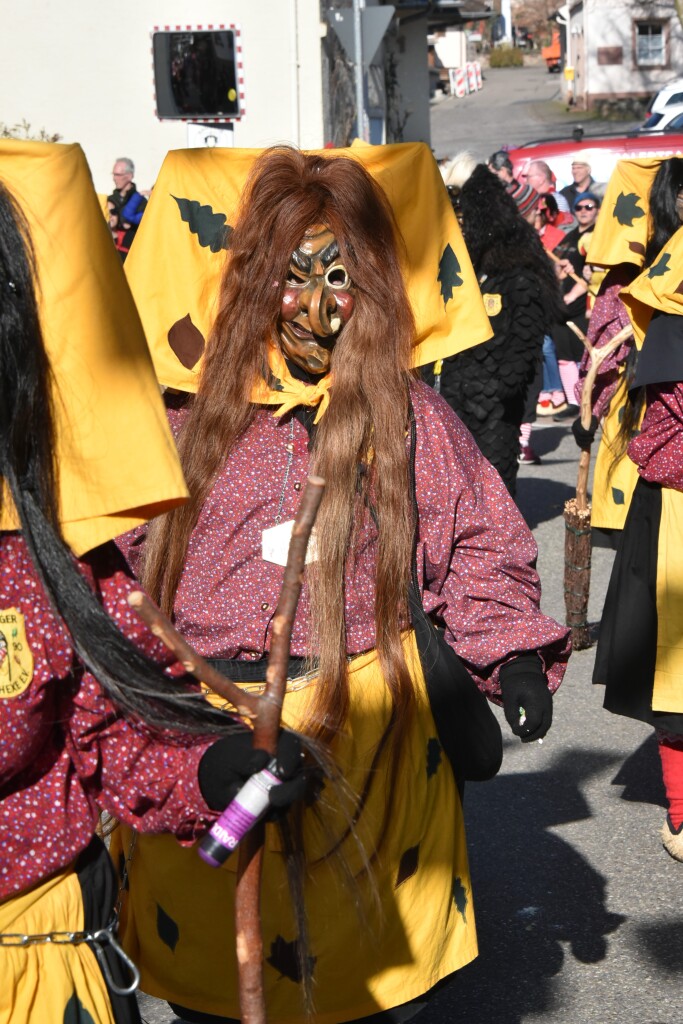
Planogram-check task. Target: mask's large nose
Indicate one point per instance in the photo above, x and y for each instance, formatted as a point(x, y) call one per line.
point(320, 305)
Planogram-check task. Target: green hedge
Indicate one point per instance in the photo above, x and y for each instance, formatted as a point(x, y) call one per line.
point(506, 57)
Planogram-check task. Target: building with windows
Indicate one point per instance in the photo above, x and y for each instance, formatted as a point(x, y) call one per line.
point(168, 74)
point(621, 52)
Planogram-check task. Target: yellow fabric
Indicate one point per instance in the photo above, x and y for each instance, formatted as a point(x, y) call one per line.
point(668, 682)
point(37, 983)
point(660, 287)
point(288, 393)
point(104, 206)
point(173, 276)
point(116, 457)
point(621, 230)
point(612, 494)
point(363, 965)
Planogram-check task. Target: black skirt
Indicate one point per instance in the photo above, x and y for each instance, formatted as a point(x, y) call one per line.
point(627, 646)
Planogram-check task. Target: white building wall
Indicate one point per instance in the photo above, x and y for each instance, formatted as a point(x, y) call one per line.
point(609, 23)
point(84, 70)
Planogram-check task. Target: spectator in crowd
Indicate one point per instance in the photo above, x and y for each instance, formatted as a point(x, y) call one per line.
point(582, 184)
point(500, 164)
point(523, 194)
point(541, 178)
point(126, 205)
point(572, 255)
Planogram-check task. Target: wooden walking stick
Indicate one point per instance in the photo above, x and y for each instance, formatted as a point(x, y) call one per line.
point(264, 713)
point(572, 275)
point(577, 511)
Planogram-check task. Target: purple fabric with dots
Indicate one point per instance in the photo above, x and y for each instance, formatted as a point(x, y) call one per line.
point(66, 753)
point(475, 553)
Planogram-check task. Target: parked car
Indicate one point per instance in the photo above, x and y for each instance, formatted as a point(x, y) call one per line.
point(669, 95)
point(601, 152)
point(661, 119)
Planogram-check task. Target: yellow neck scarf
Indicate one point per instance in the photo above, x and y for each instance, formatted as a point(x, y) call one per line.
point(286, 392)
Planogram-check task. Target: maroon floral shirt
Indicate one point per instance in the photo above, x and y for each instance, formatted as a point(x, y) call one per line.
point(658, 449)
point(66, 753)
point(475, 553)
point(608, 317)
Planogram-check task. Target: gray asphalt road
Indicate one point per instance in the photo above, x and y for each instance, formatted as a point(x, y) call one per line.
point(515, 105)
point(578, 906)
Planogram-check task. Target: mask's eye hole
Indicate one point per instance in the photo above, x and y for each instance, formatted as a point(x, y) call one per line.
point(295, 276)
point(337, 277)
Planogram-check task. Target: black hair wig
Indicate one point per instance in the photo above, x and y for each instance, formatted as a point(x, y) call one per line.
point(665, 221)
point(499, 239)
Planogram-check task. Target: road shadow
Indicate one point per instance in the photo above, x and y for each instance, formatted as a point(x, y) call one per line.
point(539, 499)
point(641, 775)
point(537, 900)
point(662, 944)
point(549, 439)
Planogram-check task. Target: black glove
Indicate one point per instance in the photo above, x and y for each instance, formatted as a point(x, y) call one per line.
point(230, 761)
point(584, 438)
point(527, 701)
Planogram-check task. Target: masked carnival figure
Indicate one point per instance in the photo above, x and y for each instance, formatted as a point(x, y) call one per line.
point(316, 317)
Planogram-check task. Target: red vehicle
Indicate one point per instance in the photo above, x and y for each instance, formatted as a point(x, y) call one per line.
point(601, 152)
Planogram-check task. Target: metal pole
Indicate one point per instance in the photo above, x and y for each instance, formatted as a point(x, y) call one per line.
point(360, 84)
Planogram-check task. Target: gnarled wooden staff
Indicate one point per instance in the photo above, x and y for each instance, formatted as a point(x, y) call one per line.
point(577, 511)
point(263, 712)
point(572, 276)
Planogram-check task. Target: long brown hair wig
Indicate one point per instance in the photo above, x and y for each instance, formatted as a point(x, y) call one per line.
point(360, 442)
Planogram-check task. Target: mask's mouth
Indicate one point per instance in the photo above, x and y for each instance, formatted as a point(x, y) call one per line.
point(306, 334)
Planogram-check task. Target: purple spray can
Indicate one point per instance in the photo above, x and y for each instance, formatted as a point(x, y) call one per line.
point(241, 814)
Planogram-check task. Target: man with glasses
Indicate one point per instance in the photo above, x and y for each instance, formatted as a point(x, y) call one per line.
point(126, 205)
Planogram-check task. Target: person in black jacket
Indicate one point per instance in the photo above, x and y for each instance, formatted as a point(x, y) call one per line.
point(487, 386)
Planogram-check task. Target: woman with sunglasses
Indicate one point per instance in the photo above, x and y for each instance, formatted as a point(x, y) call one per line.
point(571, 251)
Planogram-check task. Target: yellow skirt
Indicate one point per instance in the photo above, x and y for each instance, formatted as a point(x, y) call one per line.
point(177, 921)
point(612, 486)
point(50, 983)
point(667, 694)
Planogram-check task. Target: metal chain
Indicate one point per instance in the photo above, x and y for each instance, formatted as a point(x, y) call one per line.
point(290, 460)
point(99, 939)
point(123, 884)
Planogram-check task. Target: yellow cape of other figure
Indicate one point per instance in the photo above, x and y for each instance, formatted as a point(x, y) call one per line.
point(115, 455)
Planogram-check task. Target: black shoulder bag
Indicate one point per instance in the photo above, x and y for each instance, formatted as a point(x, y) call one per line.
point(467, 728)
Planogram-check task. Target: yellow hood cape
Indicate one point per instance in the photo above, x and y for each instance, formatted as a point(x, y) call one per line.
point(175, 265)
point(115, 455)
point(660, 287)
point(621, 230)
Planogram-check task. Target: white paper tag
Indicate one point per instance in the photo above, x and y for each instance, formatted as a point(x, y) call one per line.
point(275, 544)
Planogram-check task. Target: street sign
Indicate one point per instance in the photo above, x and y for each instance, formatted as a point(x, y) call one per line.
point(374, 23)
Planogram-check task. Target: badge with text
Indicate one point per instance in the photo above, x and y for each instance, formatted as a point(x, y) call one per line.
point(492, 304)
point(16, 659)
point(275, 544)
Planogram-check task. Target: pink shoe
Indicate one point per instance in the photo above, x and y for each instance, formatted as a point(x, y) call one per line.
point(528, 455)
